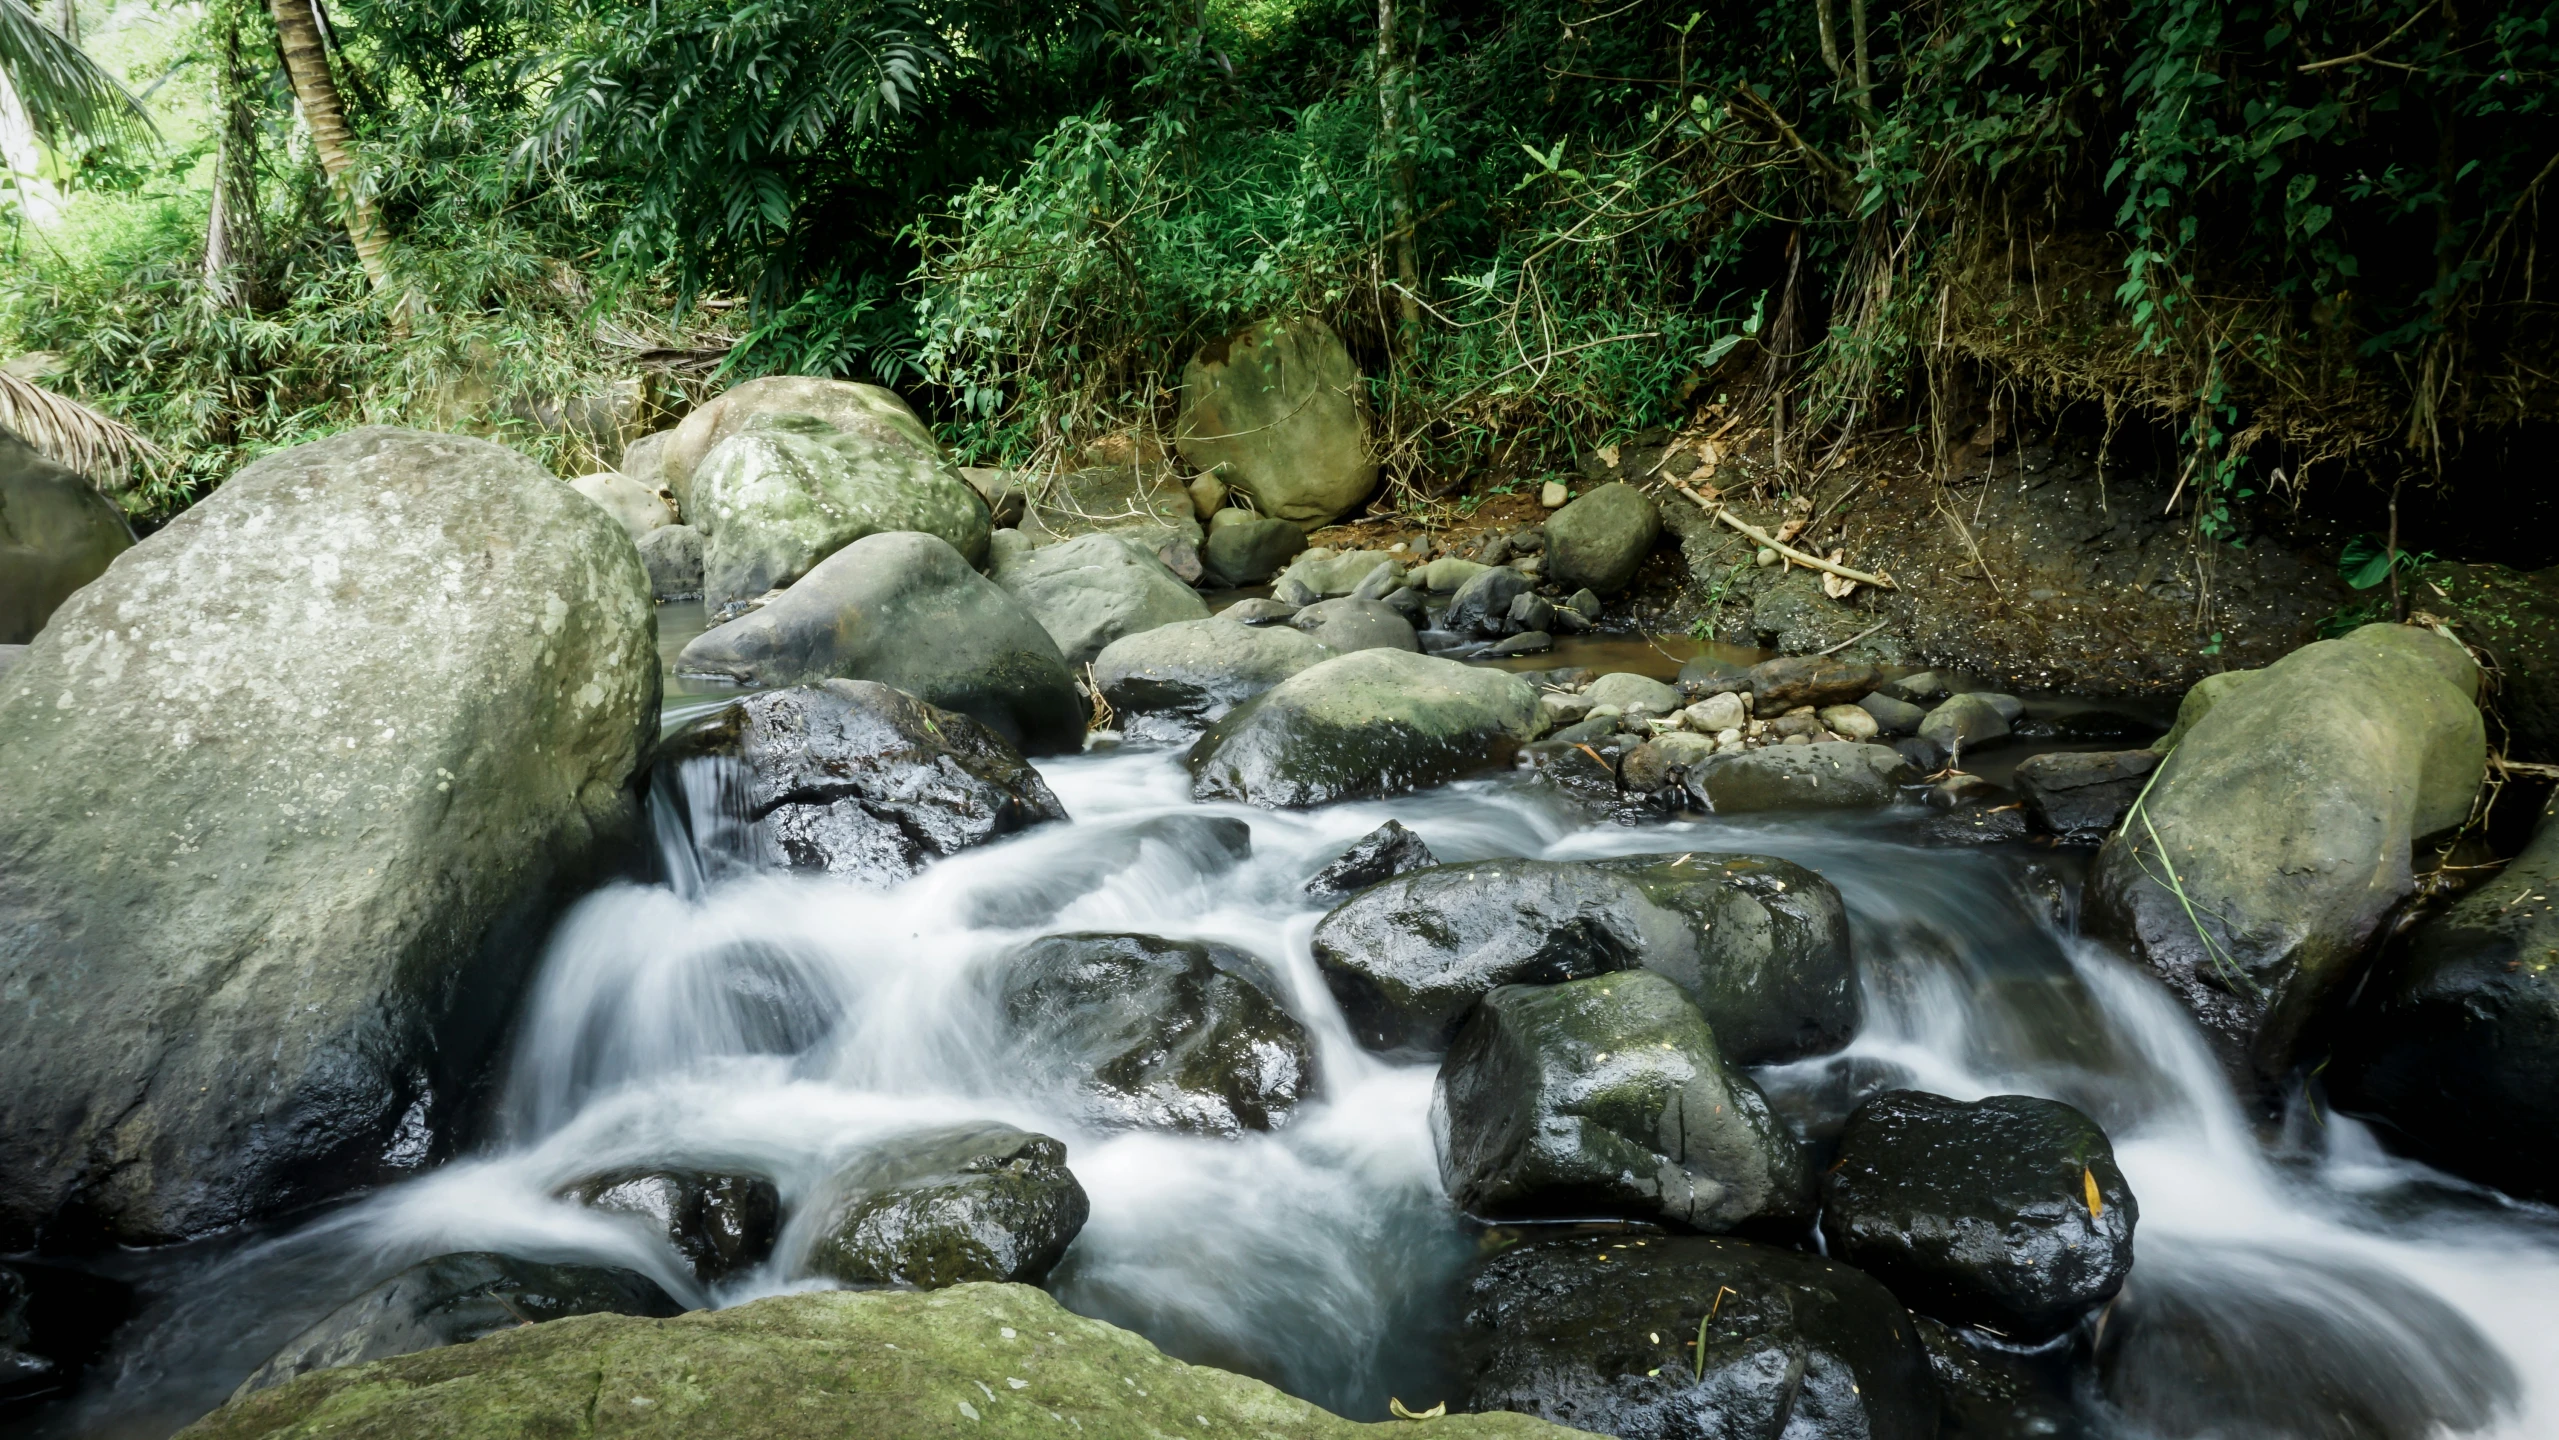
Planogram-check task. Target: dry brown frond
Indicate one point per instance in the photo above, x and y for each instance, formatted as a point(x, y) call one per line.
point(69, 433)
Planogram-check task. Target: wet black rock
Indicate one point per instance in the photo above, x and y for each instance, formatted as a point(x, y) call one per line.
point(453, 1299)
point(1381, 854)
point(2455, 1048)
point(944, 1207)
point(2007, 1213)
point(1482, 605)
point(1782, 684)
point(2214, 1340)
point(1761, 945)
point(1607, 1096)
point(856, 779)
point(1157, 1034)
point(1603, 1335)
point(722, 1224)
point(2081, 796)
point(1986, 1393)
point(54, 1320)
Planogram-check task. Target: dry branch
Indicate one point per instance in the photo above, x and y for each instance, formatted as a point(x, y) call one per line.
point(1754, 533)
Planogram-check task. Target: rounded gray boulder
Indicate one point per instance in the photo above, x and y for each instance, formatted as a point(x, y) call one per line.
point(1377, 722)
point(1094, 589)
point(1170, 682)
point(785, 491)
point(1600, 539)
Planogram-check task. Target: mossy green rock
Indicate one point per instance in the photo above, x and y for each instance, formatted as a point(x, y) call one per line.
point(2275, 840)
point(846, 406)
point(974, 1360)
point(2205, 694)
point(1600, 539)
point(1372, 723)
point(786, 491)
point(936, 1208)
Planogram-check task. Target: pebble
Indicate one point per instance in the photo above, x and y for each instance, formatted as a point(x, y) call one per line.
point(1552, 495)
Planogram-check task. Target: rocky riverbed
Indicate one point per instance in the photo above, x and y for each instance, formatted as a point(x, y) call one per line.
point(996, 976)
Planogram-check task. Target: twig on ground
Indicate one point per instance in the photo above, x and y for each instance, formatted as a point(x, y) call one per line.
point(1753, 532)
point(1853, 639)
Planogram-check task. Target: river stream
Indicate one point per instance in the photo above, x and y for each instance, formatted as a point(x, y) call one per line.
point(731, 1019)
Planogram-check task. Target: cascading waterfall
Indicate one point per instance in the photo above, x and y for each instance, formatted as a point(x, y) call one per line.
point(733, 1018)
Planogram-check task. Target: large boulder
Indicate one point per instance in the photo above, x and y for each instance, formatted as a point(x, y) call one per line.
point(672, 555)
point(1760, 945)
point(906, 610)
point(855, 779)
point(847, 408)
point(1607, 1096)
point(942, 1207)
point(2275, 840)
point(1171, 682)
point(1681, 1337)
point(634, 506)
point(57, 533)
point(722, 1223)
point(1372, 723)
point(1094, 589)
point(2008, 1213)
point(786, 491)
point(2454, 1048)
point(1278, 413)
point(285, 800)
point(452, 1300)
point(1827, 775)
point(1141, 1031)
point(998, 1360)
point(1597, 541)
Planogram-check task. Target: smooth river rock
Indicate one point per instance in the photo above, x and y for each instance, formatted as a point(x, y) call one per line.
point(906, 609)
point(1373, 723)
point(848, 408)
point(877, 1364)
point(2288, 813)
point(1605, 1334)
point(1094, 589)
point(1600, 539)
point(1349, 624)
point(786, 491)
point(2007, 1213)
point(1144, 1032)
point(1248, 551)
point(286, 801)
point(1761, 945)
point(1277, 411)
point(1608, 1096)
point(1825, 775)
point(942, 1207)
point(57, 533)
point(634, 506)
point(1380, 855)
point(1169, 683)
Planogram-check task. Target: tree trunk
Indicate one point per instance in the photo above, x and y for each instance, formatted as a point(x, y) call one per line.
point(297, 25)
point(234, 238)
point(1399, 192)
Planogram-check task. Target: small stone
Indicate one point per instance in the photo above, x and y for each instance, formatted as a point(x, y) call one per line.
point(1716, 713)
point(1586, 602)
point(1765, 558)
point(1849, 722)
point(1922, 687)
point(1378, 583)
point(1891, 716)
point(1626, 690)
point(1382, 854)
point(1260, 610)
point(1531, 611)
point(1294, 593)
point(1208, 496)
point(1552, 495)
point(1527, 642)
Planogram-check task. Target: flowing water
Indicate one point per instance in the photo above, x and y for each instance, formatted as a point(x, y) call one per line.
point(726, 1018)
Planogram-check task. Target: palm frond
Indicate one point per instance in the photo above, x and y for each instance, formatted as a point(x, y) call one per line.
point(66, 95)
point(71, 434)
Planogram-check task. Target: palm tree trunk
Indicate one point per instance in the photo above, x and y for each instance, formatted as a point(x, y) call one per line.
point(234, 239)
point(1399, 205)
point(297, 25)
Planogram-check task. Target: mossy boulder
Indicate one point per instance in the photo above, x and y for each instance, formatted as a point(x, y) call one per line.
point(1094, 589)
point(786, 491)
point(1275, 411)
point(987, 1360)
point(906, 610)
point(844, 406)
point(1607, 1096)
point(1372, 723)
point(1760, 944)
point(934, 1208)
point(2276, 838)
point(1599, 540)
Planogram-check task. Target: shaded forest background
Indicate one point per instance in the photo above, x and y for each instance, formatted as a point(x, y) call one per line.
point(2297, 244)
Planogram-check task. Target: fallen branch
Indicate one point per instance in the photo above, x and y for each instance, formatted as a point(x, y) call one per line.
point(1754, 533)
point(2526, 768)
point(1853, 639)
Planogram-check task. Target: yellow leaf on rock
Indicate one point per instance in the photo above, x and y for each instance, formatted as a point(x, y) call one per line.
point(2096, 1202)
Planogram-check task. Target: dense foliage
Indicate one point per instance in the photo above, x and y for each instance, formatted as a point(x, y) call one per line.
point(2304, 235)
